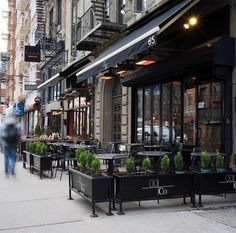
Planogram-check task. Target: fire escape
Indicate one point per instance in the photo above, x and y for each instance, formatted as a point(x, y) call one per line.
point(94, 28)
point(51, 43)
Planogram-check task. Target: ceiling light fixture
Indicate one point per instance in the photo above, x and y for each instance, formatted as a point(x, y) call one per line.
point(147, 60)
point(186, 26)
point(193, 21)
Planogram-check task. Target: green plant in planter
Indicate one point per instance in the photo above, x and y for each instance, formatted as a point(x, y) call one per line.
point(95, 166)
point(129, 165)
point(37, 130)
point(34, 147)
point(28, 146)
point(37, 148)
point(179, 162)
point(146, 164)
point(234, 161)
point(205, 161)
point(165, 163)
point(219, 162)
point(78, 151)
point(43, 149)
point(90, 158)
point(83, 160)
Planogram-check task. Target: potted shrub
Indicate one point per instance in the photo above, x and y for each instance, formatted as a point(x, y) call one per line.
point(43, 149)
point(234, 162)
point(95, 166)
point(83, 160)
point(37, 130)
point(165, 164)
point(90, 158)
point(146, 163)
point(129, 165)
point(205, 162)
point(219, 162)
point(179, 163)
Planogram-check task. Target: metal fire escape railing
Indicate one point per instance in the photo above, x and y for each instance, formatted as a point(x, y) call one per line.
point(51, 44)
point(95, 26)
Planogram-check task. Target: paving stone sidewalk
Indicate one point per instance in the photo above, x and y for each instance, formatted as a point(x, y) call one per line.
point(29, 204)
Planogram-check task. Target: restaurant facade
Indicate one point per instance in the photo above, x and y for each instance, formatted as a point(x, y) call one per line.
point(184, 94)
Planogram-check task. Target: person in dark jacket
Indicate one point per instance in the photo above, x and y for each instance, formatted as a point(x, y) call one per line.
point(9, 136)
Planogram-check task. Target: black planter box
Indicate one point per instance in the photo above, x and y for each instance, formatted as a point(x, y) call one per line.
point(27, 159)
point(95, 189)
point(42, 163)
point(152, 187)
point(214, 183)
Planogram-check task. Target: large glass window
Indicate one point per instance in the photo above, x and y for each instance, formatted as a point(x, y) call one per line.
point(166, 112)
point(147, 115)
point(139, 119)
point(209, 115)
point(156, 113)
point(176, 112)
point(59, 7)
point(170, 112)
point(189, 111)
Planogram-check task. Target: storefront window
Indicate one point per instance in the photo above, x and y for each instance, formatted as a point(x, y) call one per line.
point(139, 121)
point(176, 112)
point(189, 111)
point(209, 115)
point(147, 114)
point(156, 113)
point(166, 112)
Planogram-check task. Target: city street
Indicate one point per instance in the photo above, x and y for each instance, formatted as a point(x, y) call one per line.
point(30, 205)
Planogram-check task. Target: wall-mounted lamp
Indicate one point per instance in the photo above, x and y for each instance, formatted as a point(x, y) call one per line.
point(107, 75)
point(147, 60)
point(123, 68)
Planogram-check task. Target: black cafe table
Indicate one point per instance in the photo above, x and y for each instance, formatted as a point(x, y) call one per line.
point(155, 147)
point(110, 157)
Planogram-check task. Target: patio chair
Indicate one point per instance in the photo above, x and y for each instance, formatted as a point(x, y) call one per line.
point(193, 159)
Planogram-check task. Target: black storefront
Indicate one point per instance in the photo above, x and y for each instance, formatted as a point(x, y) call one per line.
point(187, 97)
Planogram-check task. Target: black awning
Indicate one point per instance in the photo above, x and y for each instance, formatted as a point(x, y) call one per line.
point(73, 68)
point(67, 72)
point(220, 54)
point(133, 43)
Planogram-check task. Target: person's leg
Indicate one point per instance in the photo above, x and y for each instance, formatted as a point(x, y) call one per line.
point(6, 159)
point(12, 155)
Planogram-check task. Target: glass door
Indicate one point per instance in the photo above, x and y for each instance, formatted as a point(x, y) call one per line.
point(209, 115)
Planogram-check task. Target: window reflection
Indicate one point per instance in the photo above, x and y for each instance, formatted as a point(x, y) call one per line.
point(166, 113)
point(156, 113)
point(147, 114)
point(209, 111)
point(139, 121)
point(189, 112)
point(176, 112)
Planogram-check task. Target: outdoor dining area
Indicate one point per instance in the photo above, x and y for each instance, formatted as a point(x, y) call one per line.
point(123, 172)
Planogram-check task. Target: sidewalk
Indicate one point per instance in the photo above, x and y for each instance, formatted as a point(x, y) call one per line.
point(31, 205)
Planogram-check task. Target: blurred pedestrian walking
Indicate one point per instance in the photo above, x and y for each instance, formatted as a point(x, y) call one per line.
point(9, 136)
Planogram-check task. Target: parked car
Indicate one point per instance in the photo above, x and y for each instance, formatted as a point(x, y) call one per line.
point(156, 133)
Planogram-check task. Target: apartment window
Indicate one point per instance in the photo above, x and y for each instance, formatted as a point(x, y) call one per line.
point(141, 5)
point(107, 8)
point(51, 22)
point(59, 14)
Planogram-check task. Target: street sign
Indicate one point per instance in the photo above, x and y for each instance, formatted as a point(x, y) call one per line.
point(32, 53)
point(30, 87)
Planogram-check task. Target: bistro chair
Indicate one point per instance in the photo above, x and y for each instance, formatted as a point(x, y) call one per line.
point(195, 159)
point(122, 149)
